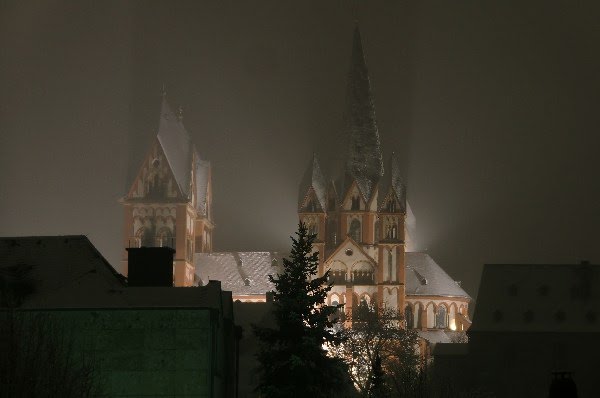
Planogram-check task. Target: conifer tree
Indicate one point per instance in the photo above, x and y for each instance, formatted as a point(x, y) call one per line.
point(293, 360)
point(378, 388)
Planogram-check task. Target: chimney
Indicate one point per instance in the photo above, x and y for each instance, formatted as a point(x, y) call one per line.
point(150, 266)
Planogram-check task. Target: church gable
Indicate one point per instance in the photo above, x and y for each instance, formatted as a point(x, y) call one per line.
point(350, 253)
point(353, 200)
point(155, 179)
point(349, 260)
point(311, 203)
point(390, 203)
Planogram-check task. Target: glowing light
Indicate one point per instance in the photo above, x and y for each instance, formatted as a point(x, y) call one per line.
point(452, 324)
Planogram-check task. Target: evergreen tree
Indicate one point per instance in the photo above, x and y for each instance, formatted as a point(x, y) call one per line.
point(378, 388)
point(293, 360)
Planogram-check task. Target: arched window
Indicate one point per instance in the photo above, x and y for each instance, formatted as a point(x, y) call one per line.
point(355, 203)
point(408, 316)
point(417, 317)
point(313, 229)
point(390, 265)
point(441, 318)
point(146, 237)
point(355, 230)
point(165, 238)
point(364, 301)
point(391, 206)
point(430, 316)
point(452, 317)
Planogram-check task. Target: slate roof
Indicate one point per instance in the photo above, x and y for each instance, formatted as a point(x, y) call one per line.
point(68, 272)
point(177, 146)
point(424, 277)
point(313, 178)
point(243, 273)
point(392, 180)
point(364, 163)
point(434, 336)
point(232, 268)
point(538, 298)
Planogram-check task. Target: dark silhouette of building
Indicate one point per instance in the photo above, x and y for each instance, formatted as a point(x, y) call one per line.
point(158, 340)
point(536, 331)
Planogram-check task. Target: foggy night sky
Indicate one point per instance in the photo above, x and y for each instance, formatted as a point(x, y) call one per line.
point(492, 107)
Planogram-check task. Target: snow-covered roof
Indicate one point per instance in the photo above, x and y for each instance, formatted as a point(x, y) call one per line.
point(424, 277)
point(68, 272)
point(242, 273)
point(434, 336)
point(62, 270)
point(247, 273)
point(538, 298)
point(176, 144)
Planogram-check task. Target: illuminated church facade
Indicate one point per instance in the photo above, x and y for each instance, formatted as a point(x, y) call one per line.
point(362, 222)
point(363, 225)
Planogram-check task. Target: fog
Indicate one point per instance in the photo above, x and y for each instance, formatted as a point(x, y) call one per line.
point(493, 109)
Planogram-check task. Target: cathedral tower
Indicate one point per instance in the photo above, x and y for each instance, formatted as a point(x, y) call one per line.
point(360, 233)
point(169, 202)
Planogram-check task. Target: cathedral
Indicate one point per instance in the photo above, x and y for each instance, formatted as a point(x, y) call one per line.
point(362, 222)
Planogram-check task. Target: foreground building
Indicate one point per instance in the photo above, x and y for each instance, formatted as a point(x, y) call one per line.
point(142, 341)
point(534, 326)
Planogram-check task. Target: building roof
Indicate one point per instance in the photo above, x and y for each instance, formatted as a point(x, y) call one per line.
point(434, 336)
point(364, 163)
point(68, 272)
point(538, 298)
point(176, 144)
point(243, 273)
point(313, 178)
point(424, 277)
point(234, 268)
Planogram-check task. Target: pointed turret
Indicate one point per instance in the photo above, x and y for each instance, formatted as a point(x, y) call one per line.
point(391, 187)
point(176, 144)
point(313, 183)
point(364, 162)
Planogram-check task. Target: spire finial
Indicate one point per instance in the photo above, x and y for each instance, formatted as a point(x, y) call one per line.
point(180, 114)
point(355, 12)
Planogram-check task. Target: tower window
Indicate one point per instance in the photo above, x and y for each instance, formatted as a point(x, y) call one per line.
point(391, 206)
point(355, 203)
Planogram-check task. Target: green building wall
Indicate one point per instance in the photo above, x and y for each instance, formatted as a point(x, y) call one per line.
point(166, 352)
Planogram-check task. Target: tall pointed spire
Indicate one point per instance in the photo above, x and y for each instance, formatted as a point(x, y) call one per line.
point(364, 162)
